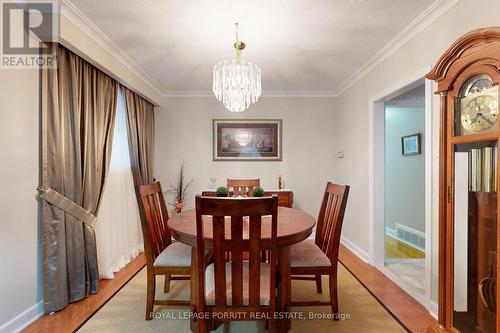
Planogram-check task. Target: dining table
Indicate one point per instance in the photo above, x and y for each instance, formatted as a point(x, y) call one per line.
point(294, 226)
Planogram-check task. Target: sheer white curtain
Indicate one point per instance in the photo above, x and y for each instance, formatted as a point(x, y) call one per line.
point(118, 229)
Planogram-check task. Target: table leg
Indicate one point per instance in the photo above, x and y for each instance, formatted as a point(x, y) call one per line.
point(193, 293)
point(284, 288)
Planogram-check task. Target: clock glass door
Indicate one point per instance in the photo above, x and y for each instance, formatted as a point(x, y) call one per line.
point(475, 233)
point(477, 104)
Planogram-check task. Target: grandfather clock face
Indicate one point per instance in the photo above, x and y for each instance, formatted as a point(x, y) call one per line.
point(478, 106)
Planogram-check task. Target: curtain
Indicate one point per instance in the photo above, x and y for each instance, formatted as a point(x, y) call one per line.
point(141, 131)
point(78, 109)
point(118, 229)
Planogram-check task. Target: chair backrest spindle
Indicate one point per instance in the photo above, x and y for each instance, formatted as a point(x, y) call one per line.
point(228, 218)
point(331, 216)
point(242, 187)
point(154, 217)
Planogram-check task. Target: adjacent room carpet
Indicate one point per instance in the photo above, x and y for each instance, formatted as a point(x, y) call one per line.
point(410, 275)
point(125, 311)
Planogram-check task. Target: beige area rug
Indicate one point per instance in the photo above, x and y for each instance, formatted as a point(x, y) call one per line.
point(125, 311)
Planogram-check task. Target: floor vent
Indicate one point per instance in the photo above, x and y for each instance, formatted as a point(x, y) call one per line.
point(408, 235)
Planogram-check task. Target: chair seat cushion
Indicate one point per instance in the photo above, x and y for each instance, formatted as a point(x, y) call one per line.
point(265, 273)
point(308, 254)
point(176, 254)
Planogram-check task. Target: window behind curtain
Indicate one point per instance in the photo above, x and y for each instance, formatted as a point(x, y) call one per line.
point(118, 229)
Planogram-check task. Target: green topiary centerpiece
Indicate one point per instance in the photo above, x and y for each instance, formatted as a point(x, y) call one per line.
point(258, 191)
point(221, 192)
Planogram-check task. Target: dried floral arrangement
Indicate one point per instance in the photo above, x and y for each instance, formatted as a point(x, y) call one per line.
point(180, 191)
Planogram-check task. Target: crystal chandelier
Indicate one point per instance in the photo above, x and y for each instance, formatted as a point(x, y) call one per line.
point(236, 82)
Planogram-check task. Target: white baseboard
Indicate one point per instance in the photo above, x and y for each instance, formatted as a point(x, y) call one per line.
point(355, 249)
point(391, 232)
point(394, 234)
point(23, 319)
point(433, 309)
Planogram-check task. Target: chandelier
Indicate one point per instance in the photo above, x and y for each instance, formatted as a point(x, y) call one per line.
point(236, 82)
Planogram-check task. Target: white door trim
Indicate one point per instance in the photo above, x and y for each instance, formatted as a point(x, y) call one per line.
point(428, 139)
point(376, 135)
point(376, 181)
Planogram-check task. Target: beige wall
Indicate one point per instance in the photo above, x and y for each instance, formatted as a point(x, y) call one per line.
point(19, 116)
point(351, 108)
point(404, 175)
point(184, 133)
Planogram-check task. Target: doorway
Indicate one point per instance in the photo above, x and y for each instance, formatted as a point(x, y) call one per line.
point(404, 189)
point(400, 185)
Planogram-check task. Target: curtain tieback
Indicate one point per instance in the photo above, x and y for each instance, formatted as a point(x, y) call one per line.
point(66, 205)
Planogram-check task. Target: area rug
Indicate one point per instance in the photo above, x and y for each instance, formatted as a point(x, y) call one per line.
point(361, 312)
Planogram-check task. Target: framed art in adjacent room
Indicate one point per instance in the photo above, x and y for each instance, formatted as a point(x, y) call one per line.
point(247, 140)
point(411, 144)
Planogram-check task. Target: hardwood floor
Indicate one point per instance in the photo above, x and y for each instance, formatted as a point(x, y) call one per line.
point(76, 314)
point(404, 308)
point(395, 249)
point(411, 314)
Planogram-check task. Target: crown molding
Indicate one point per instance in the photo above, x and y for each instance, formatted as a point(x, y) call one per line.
point(187, 93)
point(292, 93)
point(419, 24)
point(75, 16)
point(431, 14)
point(299, 93)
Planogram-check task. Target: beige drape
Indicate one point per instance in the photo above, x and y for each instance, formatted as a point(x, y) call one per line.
point(141, 130)
point(78, 112)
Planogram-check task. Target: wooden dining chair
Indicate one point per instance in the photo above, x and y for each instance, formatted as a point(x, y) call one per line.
point(312, 258)
point(225, 286)
point(242, 187)
point(163, 257)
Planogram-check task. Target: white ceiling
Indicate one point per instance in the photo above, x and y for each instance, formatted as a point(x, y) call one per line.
point(301, 45)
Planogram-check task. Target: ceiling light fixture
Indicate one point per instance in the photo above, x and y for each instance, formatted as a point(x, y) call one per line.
point(236, 82)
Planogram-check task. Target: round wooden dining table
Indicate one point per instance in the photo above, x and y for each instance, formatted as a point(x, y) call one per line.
point(293, 226)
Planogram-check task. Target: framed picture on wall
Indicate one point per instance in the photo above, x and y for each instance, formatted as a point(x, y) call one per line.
point(411, 144)
point(247, 140)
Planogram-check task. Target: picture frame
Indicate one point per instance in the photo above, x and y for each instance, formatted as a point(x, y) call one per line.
point(411, 144)
point(247, 139)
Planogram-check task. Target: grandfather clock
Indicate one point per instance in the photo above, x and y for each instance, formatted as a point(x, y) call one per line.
point(468, 75)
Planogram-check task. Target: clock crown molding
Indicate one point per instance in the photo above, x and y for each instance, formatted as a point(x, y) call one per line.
point(74, 15)
point(455, 51)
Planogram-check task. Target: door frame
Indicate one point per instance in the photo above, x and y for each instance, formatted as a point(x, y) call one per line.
point(376, 166)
